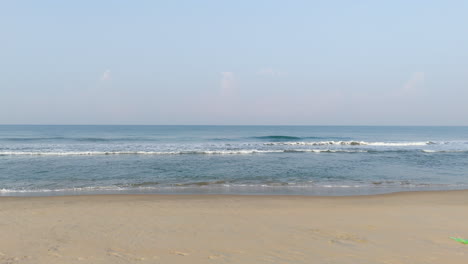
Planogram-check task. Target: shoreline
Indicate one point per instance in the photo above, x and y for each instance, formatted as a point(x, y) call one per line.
point(195, 195)
point(236, 190)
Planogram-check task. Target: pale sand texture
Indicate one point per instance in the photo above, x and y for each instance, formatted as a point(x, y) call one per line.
point(394, 228)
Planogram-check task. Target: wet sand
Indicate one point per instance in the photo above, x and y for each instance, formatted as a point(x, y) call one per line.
point(411, 227)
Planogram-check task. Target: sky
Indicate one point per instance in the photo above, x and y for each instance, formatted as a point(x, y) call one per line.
point(234, 62)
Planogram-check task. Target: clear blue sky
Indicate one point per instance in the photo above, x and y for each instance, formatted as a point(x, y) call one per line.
point(234, 62)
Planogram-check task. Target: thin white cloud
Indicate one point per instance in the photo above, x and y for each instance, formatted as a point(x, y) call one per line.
point(270, 72)
point(106, 76)
point(227, 83)
point(415, 82)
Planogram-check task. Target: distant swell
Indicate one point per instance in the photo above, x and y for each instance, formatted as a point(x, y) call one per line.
point(27, 139)
point(278, 138)
point(91, 139)
point(77, 139)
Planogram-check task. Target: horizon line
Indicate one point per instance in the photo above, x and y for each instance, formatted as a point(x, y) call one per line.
point(284, 125)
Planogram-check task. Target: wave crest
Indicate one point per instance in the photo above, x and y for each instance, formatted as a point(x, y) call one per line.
point(350, 143)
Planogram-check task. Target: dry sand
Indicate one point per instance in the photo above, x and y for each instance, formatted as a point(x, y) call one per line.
point(393, 228)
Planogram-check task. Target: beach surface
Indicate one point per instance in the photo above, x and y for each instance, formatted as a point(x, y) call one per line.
point(412, 227)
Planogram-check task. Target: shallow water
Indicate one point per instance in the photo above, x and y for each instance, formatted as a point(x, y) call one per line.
point(308, 160)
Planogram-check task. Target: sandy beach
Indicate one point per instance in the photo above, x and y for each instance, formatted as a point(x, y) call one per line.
point(394, 228)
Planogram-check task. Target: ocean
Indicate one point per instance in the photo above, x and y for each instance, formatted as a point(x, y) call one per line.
point(260, 160)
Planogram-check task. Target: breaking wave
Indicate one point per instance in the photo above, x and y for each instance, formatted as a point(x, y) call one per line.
point(351, 143)
point(215, 152)
point(444, 151)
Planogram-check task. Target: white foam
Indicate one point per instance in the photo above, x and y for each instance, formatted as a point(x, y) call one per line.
point(76, 189)
point(325, 150)
point(350, 143)
point(339, 186)
point(443, 151)
point(98, 153)
point(214, 152)
point(239, 186)
point(398, 144)
point(187, 152)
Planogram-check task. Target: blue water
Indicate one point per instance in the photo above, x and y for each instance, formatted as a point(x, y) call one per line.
point(306, 160)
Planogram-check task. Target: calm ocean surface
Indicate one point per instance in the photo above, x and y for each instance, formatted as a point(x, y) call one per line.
point(306, 160)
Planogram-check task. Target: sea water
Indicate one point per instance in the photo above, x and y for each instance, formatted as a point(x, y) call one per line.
point(304, 160)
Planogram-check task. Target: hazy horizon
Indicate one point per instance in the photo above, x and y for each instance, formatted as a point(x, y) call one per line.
point(239, 125)
point(341, 63)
